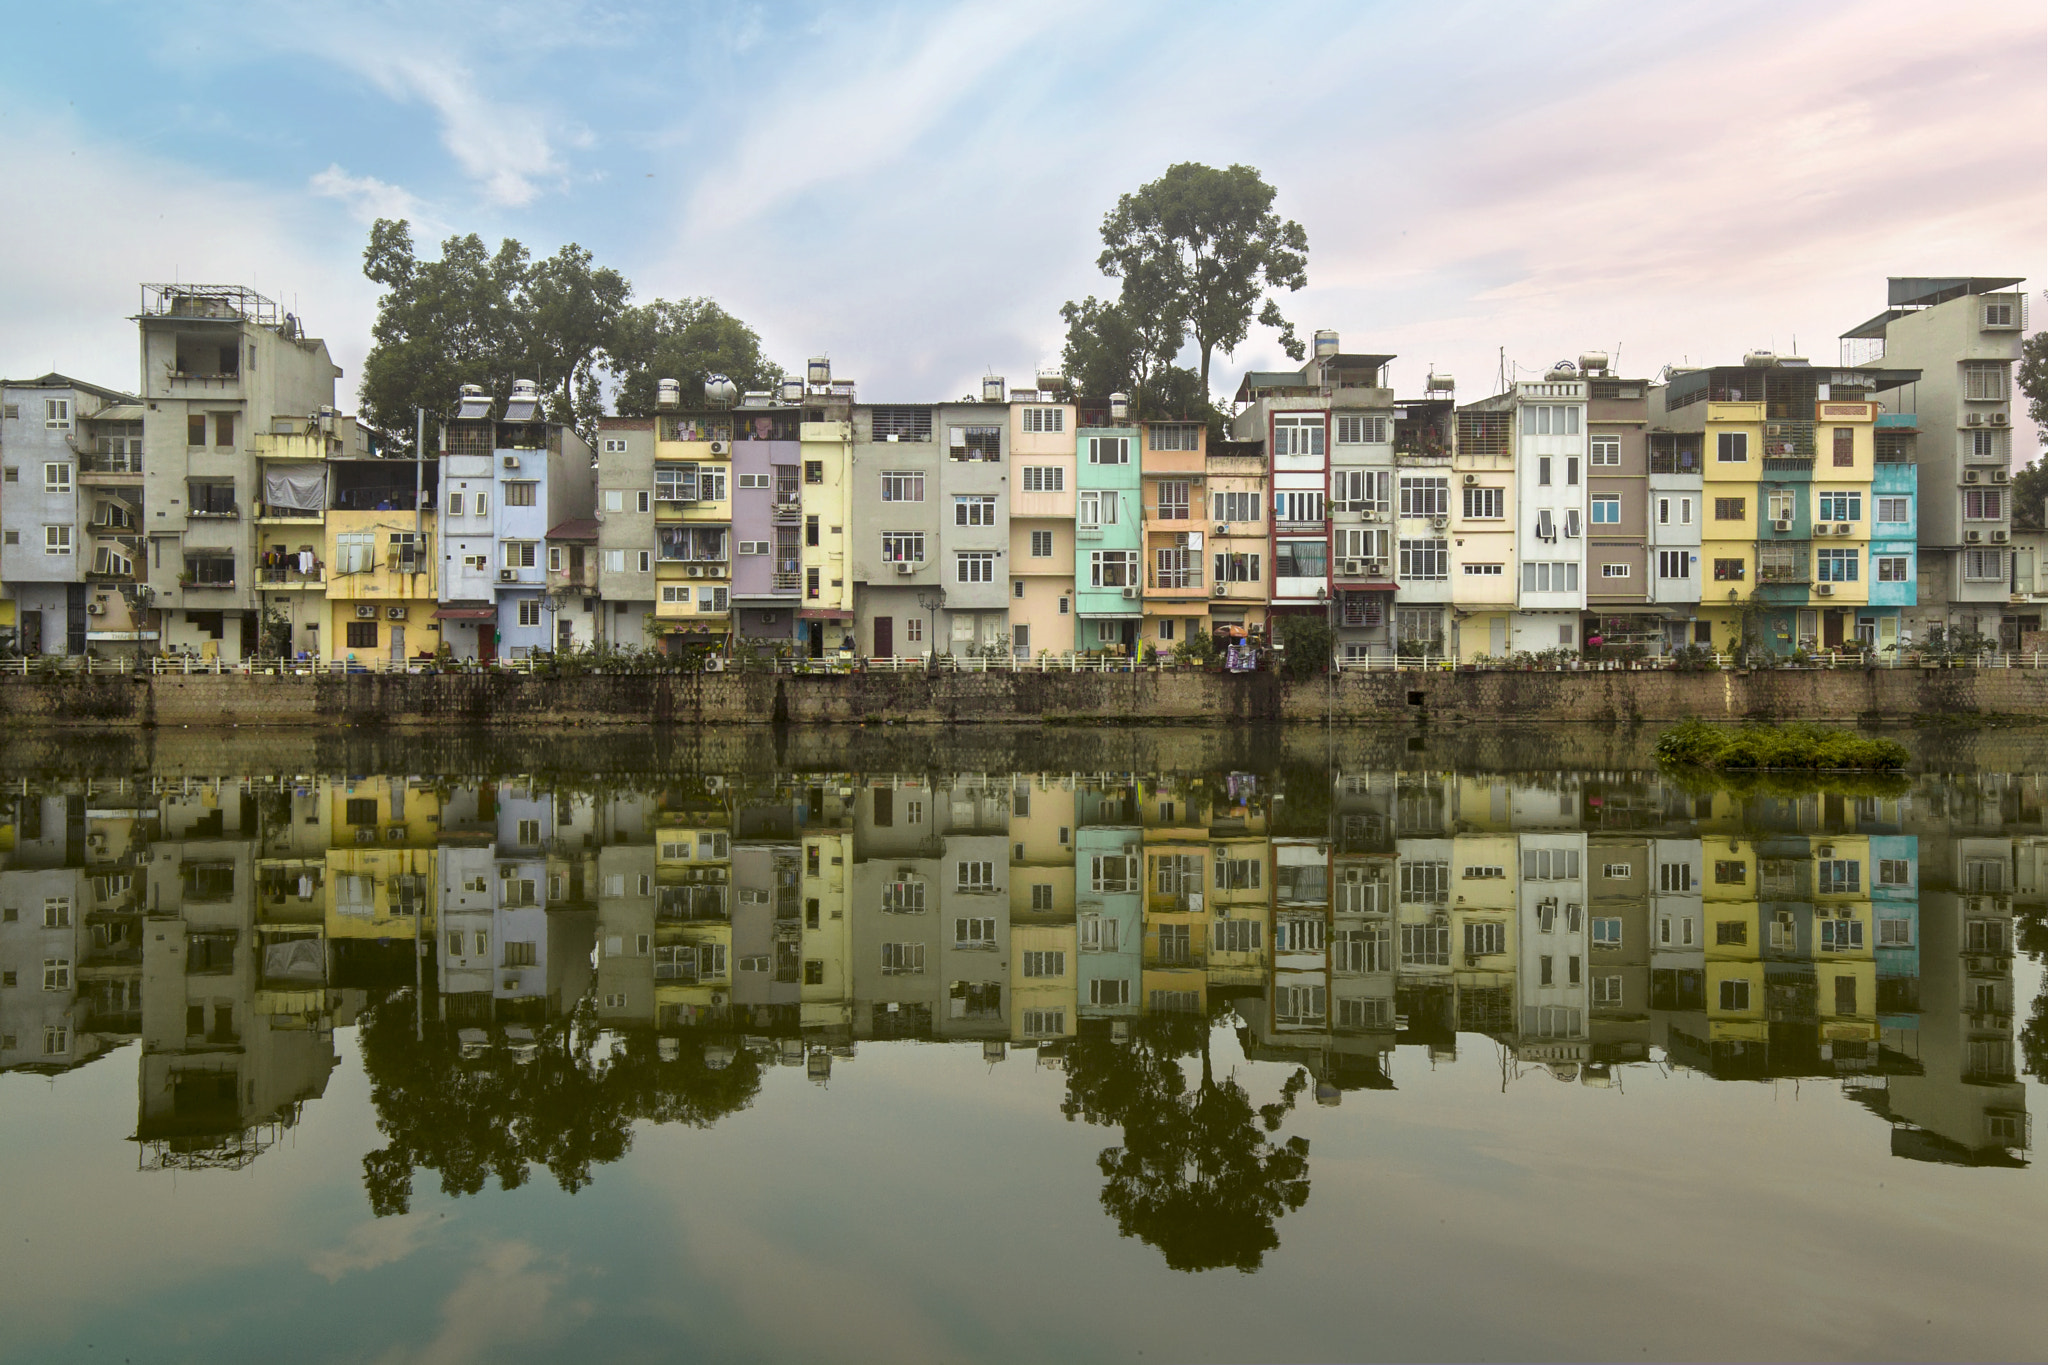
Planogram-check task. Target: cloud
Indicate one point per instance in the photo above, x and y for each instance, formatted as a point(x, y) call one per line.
point(366, 197)
point(507, 1298)
point(379, 1242)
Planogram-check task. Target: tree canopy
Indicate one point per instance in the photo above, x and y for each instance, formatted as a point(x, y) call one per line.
point(477, 316)
point(2030, 485)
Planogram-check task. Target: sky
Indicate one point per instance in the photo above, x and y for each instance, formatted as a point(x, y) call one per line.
point(913, 189)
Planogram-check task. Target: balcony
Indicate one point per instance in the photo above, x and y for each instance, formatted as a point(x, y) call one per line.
point(272, 579)
point(105, 467)
point(787, 509)
point(1176, 580)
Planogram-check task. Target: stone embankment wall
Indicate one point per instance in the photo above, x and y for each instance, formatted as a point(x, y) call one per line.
point(508, 699)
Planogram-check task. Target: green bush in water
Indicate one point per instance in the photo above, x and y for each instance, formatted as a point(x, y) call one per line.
point(1778, 748)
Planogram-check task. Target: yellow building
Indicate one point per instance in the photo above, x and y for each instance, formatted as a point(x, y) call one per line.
point(693, 917)
point(693, 509)
point(1042, 528)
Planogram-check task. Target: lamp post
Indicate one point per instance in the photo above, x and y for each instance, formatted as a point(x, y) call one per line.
point(931, 599)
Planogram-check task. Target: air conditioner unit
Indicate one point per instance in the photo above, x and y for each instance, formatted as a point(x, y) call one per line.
point(511, 462)
point(1130, 594)
point(367, 613)
point(906, 566)
point(721, 447)
point(1374, 514)
point(1971, 476)
point(1471, 479)
point(1842, 528)
point(95, 609)
point(1439, 522)
point(1222, 528)
point(1221, 590)
point(1820, 528)
point(2000, 537)
point(2001, 476)
point(1973, 537)
point(394, 613)
point(1376, 567)
point(1975, 419)
point(1999, 419)
point(717, 999)
point(714, 664)
point(695, 570)
point(1824, 851)
point(1782, 524)
point(508, 575)
point(1823, 590)
point(1774, 428)
point(1351, 568)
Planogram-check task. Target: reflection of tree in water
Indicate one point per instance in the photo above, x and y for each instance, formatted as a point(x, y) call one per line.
point(1196, 1175)
point(2031, 933)
point(566, 1108)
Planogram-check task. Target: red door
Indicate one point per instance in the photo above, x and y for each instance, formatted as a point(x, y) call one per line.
point(885, 637)
point(487, 641)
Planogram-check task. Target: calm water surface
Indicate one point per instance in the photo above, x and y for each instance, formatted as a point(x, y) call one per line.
point(1297, 1060)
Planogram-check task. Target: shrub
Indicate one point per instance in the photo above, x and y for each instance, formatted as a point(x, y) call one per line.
point(1766, 748)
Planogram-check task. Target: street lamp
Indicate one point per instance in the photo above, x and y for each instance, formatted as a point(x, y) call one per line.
point(931, 599)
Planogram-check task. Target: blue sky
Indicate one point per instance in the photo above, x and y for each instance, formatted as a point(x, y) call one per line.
point(915, 188)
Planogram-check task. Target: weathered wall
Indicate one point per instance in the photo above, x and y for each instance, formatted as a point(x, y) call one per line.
point(506, 699)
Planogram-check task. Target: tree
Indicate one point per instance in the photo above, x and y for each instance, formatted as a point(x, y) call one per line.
point(571, 313)
point(1306, 643)
point(1195, 1176)
point(440, 325)
point(1209, 244)
point(685, 341)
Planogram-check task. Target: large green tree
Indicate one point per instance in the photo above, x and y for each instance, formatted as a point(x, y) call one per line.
point(1209, 242)
point(684, 341)
point(570, 311)
point(2030, 485)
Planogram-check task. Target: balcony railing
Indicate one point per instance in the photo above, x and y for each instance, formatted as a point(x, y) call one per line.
point(1176, 578)
point(110, 465)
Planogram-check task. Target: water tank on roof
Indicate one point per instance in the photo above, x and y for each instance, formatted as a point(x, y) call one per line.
point(668, 393)
point(720, 391)
point(526, 389)
point(1563, 369)
point(1440, 383)
point(792, 389)
point(820, 370)
point(1591, 361)
point(1119, 407)
point(1051, 380)
point(1757, 360)
point(992, 389)
point(1326, 344)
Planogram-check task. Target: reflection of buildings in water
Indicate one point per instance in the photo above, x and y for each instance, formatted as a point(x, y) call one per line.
point(1579, 922)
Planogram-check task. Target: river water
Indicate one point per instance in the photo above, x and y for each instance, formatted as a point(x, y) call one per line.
point(1297, 1047)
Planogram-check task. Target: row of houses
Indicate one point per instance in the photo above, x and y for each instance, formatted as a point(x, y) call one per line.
point(1581, 924)
point(229, 509)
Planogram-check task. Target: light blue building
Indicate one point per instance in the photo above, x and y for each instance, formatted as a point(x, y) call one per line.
point(1895, 910)
point(1894, 531)
point(1109, 917)
point(1109, 525)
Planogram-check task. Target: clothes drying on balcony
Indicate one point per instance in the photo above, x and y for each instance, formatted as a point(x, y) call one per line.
point(295, 488)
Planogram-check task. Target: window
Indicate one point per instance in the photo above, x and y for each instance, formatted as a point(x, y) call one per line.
point(1490, 504)
point(976, 443)
point(362, 634)
point(1041, 545)
point(1983, 565)
point(56, 973)
point(1173, 500)
point(1895, 933)
point(1112, 874)
point(974, 510)
point(1425, 945)
point(974, 933)
point(1543, 470)
point(1894, 872)
point(1550, 576)
point(1836, 566)
point(1731, 447)
point(713, 599)
point(646, 562)
point(1425, 882)
point(1045, 478)
point(1113, 569)
point(1237, 507)
point(1096, 509)
point(974, 875)
point(903, 486)
point(1606, 450)
point(1109, 450)
point(1983, 504)
point(1550, 419)
point(223, 430)
point(1177, 436)
point(1839, 876)
point(1731, 509)
point(1731, 933)
point(482, 504)
point(1425, 497)
point(1042, 420)
point(1606, 510)
point(903, 547)
point(1728, 570)
point(1298, 934)
point(1571, 471)
point(1607, 931)
point(1425, 560)
point(1044, 1023)
point(1894, 510)
point(1735, 995)
point(1041, 895)
point(529, 611)
point(1674, 564)
point(56, 540)
point(56, 912)
point(1114, 990)
point(1485, 939)
point(913, 631)
point(747, 481)
point(1298, 506)
point(56, 413)
point(1239, 874)
point(1675, 876)
point(1299, 1004)
point(1841, 935)
point(1838, 506)
point(1097, 934)
point(1043, 964)
point(975, 566)
point(1617, 871)
point(1614, 571)
point(1481, 571)
point(1297, 436)
point(57, 478)
point(1984, 382)
point(1237, 568)
point(1844, 447)
point(1550, 864)
point(519, 554)
point(1607, 990)
point(1362, 430)
point(1237, 936)
point(525, 493)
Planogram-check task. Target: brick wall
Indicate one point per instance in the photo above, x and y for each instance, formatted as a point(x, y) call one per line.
point(460, 699)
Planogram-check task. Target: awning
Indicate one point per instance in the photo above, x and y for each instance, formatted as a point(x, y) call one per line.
point(1111, 615)
point(117, 636)
point(1177, 608)
point(466, 614)
point(825, 614)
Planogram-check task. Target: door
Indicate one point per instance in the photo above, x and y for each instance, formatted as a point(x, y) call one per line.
point(576, 565)
point(2023, 572)
point(1831, 629)
point(815, 645)
point(250, 635)
point(1021, 646)
point(31, 632)
point(1809, 629)
point(1497, 637)
point(398, 645)
point(885, 637)
point(487, 641)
